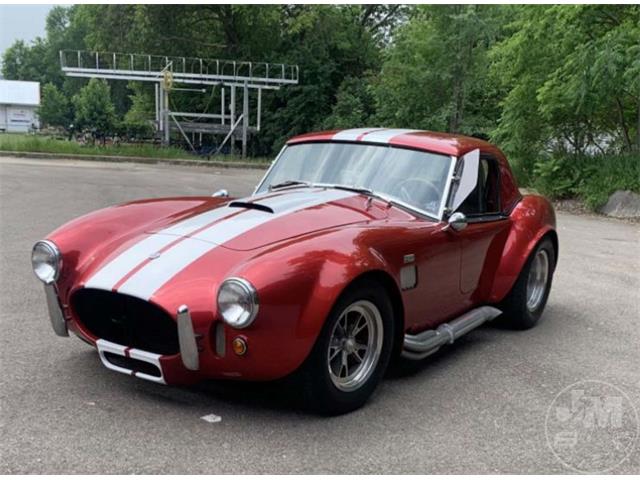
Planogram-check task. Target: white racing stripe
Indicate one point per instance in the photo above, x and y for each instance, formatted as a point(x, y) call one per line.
point(109, 275)
point(145, 282)
point(385, 136)
point(354, 133)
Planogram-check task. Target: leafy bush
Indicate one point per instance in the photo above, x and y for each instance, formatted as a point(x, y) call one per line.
point(591, 178)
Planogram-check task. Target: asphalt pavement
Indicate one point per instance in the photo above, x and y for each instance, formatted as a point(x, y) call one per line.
point(479, 406)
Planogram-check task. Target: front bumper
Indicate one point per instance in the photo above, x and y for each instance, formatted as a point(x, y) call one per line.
point(190, 344)
point(189, 353)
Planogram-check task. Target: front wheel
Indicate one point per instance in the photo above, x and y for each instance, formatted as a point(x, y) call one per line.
point(351, 353)
point(525, 303)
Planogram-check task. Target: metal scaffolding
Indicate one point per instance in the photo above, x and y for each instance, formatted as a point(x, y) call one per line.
point(168, 71)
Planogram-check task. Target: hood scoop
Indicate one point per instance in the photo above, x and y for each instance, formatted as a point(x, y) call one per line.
point(249, 223)
point(251, 206)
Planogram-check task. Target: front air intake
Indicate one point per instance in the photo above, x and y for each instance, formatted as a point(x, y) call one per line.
point(126, 320)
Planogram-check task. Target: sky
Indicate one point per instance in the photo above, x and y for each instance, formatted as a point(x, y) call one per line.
point(21, 22)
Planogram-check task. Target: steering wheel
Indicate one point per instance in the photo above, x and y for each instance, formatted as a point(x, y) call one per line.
point(418, 191)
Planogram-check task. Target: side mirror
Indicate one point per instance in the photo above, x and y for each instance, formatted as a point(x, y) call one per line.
point(221, 193)
point(457, 222)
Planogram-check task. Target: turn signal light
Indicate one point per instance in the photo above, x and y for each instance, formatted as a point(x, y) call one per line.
point(239, 346)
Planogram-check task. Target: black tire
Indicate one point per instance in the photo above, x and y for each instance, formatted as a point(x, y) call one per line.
point(516, 314)
point(319, 391)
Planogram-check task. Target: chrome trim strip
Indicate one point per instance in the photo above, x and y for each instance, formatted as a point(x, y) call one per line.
point(56, 315)
point(187, 339)
point(447, 188)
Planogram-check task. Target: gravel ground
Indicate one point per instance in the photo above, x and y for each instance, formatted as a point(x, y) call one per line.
point(478, 406)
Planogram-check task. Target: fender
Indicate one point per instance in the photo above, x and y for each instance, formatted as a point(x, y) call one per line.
point(532, 218)
point(299, 288)
point(88, 240)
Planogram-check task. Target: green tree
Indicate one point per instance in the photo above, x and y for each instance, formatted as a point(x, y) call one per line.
point(435, 75)
point(55, 109)
point(354, 105)
point(329, 44)
point(571, 84)
point(93, 107)
point(25, 62)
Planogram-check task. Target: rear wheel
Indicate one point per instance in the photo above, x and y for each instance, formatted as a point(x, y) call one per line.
point(525, 303)
point(351, 353)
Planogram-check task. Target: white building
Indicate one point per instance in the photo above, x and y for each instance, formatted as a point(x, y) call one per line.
point(19, 102)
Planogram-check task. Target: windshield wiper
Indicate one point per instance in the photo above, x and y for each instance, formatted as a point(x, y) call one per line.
point(290, 183)
point(362, 190)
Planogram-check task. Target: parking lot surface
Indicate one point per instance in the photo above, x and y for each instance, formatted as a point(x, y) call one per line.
point(478, 406)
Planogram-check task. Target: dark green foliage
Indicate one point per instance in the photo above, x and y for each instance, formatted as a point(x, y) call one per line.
point(546, 83)
point(590, 178)
point(93, 107)
point(55, 109)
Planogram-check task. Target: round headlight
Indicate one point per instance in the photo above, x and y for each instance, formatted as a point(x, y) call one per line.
point(46, 261)
point(237, 302)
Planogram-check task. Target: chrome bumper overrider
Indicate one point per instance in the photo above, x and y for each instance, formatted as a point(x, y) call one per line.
point(56, 316)
point(105, 347)
point(187, 340)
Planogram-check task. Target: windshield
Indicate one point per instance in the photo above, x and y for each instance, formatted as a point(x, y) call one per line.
point(413, 177)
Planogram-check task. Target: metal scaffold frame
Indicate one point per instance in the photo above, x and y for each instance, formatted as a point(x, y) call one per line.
point(168, 71)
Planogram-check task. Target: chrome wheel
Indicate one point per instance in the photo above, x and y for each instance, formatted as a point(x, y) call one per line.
point(355, 345)
point(537, 281)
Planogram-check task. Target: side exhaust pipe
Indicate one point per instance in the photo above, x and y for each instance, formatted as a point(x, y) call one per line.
point(425, 343)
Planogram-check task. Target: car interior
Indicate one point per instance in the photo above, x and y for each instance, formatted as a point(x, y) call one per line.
point(484, 199)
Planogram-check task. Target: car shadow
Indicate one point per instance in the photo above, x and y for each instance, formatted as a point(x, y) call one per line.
point(401, 368)
point(273, 396)
point(279, 395)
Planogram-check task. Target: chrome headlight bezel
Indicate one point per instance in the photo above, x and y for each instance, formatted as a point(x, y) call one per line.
point(246, 303)
point(51, 257)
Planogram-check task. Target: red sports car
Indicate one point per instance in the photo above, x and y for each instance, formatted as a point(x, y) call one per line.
point(356, 246)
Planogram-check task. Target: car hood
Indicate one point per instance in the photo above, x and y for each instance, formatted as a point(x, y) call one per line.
point(170, 249)
point(257, 221)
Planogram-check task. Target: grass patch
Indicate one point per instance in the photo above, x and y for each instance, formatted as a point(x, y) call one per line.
point(591, 179)
point(45, 144)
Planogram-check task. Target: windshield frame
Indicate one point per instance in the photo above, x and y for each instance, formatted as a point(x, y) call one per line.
point(439, 216)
